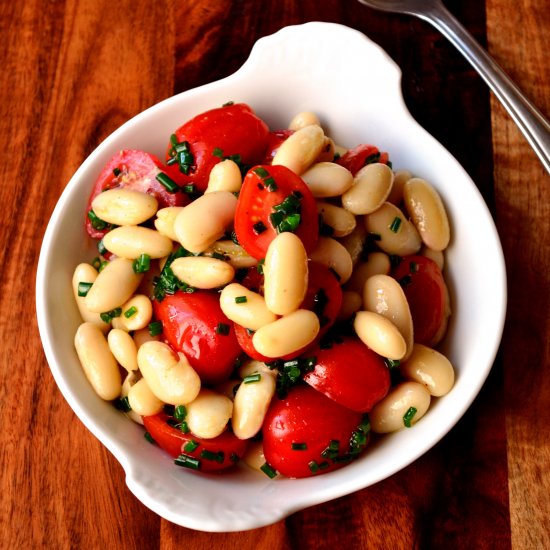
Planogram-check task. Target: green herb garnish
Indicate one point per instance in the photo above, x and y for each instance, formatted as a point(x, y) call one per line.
point(408, 416)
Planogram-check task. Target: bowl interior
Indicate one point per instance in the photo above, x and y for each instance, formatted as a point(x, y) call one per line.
point(311, 67)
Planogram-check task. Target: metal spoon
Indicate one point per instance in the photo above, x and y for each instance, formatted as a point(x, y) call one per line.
point(529, 119)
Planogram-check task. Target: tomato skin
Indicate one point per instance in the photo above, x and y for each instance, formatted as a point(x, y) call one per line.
point(350, 373)
point(356, 158)
point(426, 292)
point(172, 440)
point(274, 141)
point(255, 205)
point(306, 416)
point(189, 324)
point(235, 129)
point(138, 172)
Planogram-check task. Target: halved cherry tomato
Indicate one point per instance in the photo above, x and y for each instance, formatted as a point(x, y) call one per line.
point(425, 289)
point(195, 325)
point(265, 187)
point(274, 141)
point(208, 454)
point(306, 433)
point(359, 156)
point(349, 373)
point(231, 130)
point(135, 170)
point(323, 297)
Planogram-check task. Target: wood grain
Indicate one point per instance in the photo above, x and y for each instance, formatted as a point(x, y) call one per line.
point(73, 72)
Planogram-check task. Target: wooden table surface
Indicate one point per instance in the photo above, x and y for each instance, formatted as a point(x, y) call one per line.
point(72, 72)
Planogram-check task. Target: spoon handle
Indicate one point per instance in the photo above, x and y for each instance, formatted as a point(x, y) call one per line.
point(530, 120)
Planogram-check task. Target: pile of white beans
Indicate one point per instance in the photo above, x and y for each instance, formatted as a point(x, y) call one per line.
point(353, 206)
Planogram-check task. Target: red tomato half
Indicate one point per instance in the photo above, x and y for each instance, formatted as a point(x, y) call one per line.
point(232, 130)
point(359, 156)
point(255, 206)
point(135, 170)
point(195, 325)
point(213, 454)
point(350, 373)
point(426, 292)
point(306, 433)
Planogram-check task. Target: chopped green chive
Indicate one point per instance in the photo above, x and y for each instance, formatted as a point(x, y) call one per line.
point(395, 224)
point(313, 467)
point(142, 264)
point(190, 446)
point(96, 263)
point(332, 450)
point(122, 404)
point(268, 470)
point(408, 416)
point(413, 267)
point(167, 182)
point(299, 446)
point(217, 152)
point(189, 189)
point(101, 247)
point(270, 184)
point(149, 437)
point(131, 311)
point(228, 104)
point(234, 457)
point(117, 172)
point(97, 222)
point(83, 288)
point(262, 172)
point(250, 332)
point(391, 363)
point(260, 266)
point(188, 462)
point(218, 256)
point(214, 457)
point(180, 154)
point(184, 428)
point(405, 281)
point(108, 316)
point(155, 328)
point(240, 300)
point(180, 412)
point(222, 329)
point(375, 236)
point(251, 378)
point(286, 215)
point(375, 157)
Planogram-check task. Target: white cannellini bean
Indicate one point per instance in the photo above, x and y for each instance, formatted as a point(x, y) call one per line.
point(382, 294)
point(397, 235)
point(429, 367)
point(208, 414)
point(287, 334)
point(250, 406)
point(436, 256)
point(142, 335)
point(254, 456)
point(169, 376)
point(377, 263)
point(136, 313)
point(327, 152)
point(303, 119)
point(351, 303)
point(371, 186)
point(285, 274)
point(354, 243)
point(85, 273)
point(114, 285)
point(252, 312)
point(164, 222)
point(235, 255)
point(122, 206)
point(333, 255)
point(203, 272)
point(99, 364)
point(328, 179)
point(142, 400)
point(299, 151)
point(396, 195)
point(380, 334)
point(123, 348)
point(389, 415)
point(341, 221)
point(133, 377)
point(225, 176)
point(205, 220)
point(428, 214)
point(131, 241)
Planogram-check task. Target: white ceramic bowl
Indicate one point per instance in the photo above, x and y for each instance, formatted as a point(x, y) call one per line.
point(355, 88)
